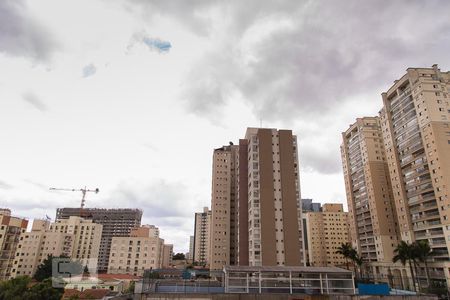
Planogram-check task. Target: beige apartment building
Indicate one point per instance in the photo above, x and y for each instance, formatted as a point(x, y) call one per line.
point(136, 253)
point(327, 230)
point(201, 239)
point(415, 121)
point(86, 236)
point(167, 255)
point(35, 246)
point(373, 222)
point(256, 211)
point(10, 230)
point(223, 205)
point(75, 237)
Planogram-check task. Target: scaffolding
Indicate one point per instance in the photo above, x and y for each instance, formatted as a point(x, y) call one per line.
point(291, 280)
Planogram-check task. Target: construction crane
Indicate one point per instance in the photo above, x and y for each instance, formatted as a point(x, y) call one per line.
point(83, 192)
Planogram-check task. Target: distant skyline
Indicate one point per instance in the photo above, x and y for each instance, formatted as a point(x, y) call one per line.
point(132, 96)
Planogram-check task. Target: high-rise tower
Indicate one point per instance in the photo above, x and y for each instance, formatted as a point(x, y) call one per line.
point(373, 223)
point(415, 121)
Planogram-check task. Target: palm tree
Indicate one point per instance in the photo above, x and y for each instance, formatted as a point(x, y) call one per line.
point(359, 261)
point(422, 252)
point(345, 250)
point(403, 253)
point(353, 257)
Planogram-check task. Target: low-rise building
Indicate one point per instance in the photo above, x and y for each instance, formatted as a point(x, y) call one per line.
point(167, 255)
point(133, 254)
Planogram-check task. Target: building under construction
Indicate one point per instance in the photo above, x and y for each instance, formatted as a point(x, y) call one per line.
point(116, 223)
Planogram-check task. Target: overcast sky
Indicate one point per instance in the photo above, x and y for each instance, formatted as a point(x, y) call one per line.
point(131, 97)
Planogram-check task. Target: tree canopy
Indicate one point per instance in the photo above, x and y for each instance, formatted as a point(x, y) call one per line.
point(23, 288)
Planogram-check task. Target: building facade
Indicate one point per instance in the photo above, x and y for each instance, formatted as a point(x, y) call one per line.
point(167, 256)
point(10, 230)
point(373, 222)
point(35, 246)
point(415, 121)
point(274, 205)
point(135, 253)
point(116, 223)
point(223, 205)
point(327, 231)
point(202, 237)
point(191, 248)
point(86, 236)
point(256, 204)
point(75, 237)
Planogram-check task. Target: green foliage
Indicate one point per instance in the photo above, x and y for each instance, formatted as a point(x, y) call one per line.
point(179, 256)
point(347, 251)
point(350, 253)
point(22, 288)
point(15, 288)
point(44, 270)
point(130, 289)
point(405, 252)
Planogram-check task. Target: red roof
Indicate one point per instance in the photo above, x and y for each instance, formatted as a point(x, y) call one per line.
point(118, 276)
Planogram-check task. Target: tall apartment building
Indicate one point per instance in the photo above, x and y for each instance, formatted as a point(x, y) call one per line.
point(136, 253)
point(191, 247)
point(10, 230)
point(327, 231)
point(202, 227)
point(256, 206)
point(223, 207)
point(116, 223)
point(415, 122)
point(35, 246)
point(373, 224)
point(274, 205)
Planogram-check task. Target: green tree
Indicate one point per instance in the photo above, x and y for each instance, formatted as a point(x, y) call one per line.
point(404, 253)
point(359, 261)
point(14, 288)
point(44, 270)
point(22, 288)
point(44, 290)
point(422, 252)
point(345, 250)
point(130, 289)
point(178, 256)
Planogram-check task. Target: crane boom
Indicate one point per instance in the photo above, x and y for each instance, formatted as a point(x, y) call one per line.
point(83, 191)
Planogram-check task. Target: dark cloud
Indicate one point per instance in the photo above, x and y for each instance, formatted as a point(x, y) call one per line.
point(316, 56)
point(35, 101)
point(88, 70)
point(5, 186)
point(21, 35)
point(309, 67)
